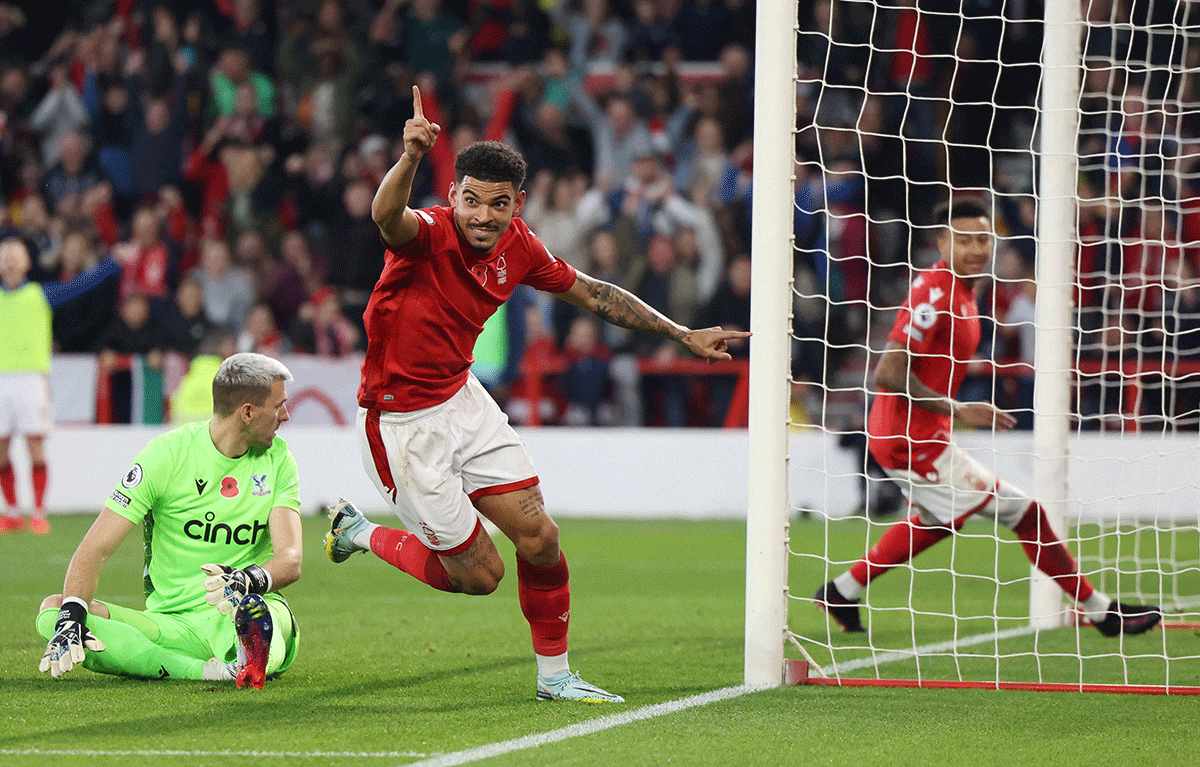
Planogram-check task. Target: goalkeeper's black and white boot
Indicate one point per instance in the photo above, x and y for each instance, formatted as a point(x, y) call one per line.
point(1128, 619)
point(844, 611)
point(345, 522)
point(255, 628)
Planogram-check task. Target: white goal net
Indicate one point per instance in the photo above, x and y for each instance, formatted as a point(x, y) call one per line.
point(1078, 128)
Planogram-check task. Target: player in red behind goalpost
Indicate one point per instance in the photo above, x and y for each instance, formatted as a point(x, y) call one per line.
point(934, 338)
point(436, 445)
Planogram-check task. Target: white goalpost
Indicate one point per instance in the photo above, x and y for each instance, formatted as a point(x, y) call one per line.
point(1078, 125)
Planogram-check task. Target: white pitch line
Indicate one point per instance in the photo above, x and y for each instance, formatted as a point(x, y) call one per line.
point(895, 655)
point(164, 752)
point(583, 728)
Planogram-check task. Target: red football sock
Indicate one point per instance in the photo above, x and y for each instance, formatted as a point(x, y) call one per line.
point(402, 549)
point(39, 487)
point(1049, 555)
point(900, 543)
point(545, 596)
point(8, 484)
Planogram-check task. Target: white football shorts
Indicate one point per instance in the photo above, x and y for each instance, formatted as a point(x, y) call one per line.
point(25, 404)
point(958, 487)
point(430, 464)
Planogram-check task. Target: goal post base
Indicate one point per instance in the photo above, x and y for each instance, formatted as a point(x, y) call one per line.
point(797, 672)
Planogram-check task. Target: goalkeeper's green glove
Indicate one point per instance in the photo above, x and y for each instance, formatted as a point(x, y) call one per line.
point(71, 637)
point(227, 587)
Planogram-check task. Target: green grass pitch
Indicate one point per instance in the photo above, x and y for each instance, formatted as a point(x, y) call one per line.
point(392, 673)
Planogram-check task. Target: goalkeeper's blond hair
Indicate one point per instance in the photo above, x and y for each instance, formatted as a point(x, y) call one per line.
point(245, 377)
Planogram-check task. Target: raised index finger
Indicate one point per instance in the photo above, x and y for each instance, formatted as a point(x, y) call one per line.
point(418, 113)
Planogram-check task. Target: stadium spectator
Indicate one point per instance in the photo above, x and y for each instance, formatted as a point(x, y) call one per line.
point(701, 254)
point(185, 632)
point(79, 321)
point(60, 112)
point(322, 329)
point(253, 31)
point(586, 384)
point(261, 333)
point(618, 135)
point(136, 331)
point(25, 315)
point(701, 161)
point(277, 282)
point(539, 124)
point(431, 38)
point(650, 31)
point(729, 307)
point(159, 128)
point(564, 213)
point(113, 126)
point(148, 260)
point(533, 391)
point(15, 43)
point(448, 269)
point(233, 70)
point(184, 321)
point(327, 100)
point(40, 231)
point(72, 177)
point(297, 255)
point(228, 289)
point(256, 187)
point(314, 187)
point(735, 106)
point(607, 262)
point(360, 252)
point(595, 34)
point(192, 400)
point(931, 344)
point(647, 204)
point(666, 286)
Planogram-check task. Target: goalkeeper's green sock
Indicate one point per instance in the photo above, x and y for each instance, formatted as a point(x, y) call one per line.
point(128, 652)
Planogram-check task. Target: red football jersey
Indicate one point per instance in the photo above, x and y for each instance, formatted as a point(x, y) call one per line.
point(939, 325)
point(431, 301)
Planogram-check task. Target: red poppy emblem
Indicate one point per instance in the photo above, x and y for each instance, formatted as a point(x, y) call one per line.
point(229, 487)
point(480, 272)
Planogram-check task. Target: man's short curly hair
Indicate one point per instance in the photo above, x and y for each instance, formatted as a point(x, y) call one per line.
point(491, 161)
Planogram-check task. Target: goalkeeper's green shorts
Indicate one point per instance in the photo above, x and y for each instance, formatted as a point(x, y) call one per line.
point(205, 633)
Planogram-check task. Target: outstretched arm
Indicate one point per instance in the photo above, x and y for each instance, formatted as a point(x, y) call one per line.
point(619, 307)
point(396, 221)
point(895, 374)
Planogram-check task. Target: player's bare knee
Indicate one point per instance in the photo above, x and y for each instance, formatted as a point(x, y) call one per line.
point(478, 583)
point(52, 602)
point(541, 549)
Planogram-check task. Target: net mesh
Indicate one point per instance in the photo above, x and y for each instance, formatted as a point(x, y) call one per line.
point(898, 104)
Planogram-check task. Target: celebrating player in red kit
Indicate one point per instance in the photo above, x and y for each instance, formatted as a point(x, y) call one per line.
point(934, 338)
point(436, 445)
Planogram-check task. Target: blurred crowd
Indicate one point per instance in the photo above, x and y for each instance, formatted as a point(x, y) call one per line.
point(226, 152)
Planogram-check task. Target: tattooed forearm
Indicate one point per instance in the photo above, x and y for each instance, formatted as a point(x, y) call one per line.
point(623, 309)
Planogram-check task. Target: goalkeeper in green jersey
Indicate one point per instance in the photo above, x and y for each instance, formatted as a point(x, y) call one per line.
point(218, 504)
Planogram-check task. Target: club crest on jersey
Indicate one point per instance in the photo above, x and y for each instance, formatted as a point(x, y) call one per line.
point(501, 270)
point(260, 485)
point(480, 272)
